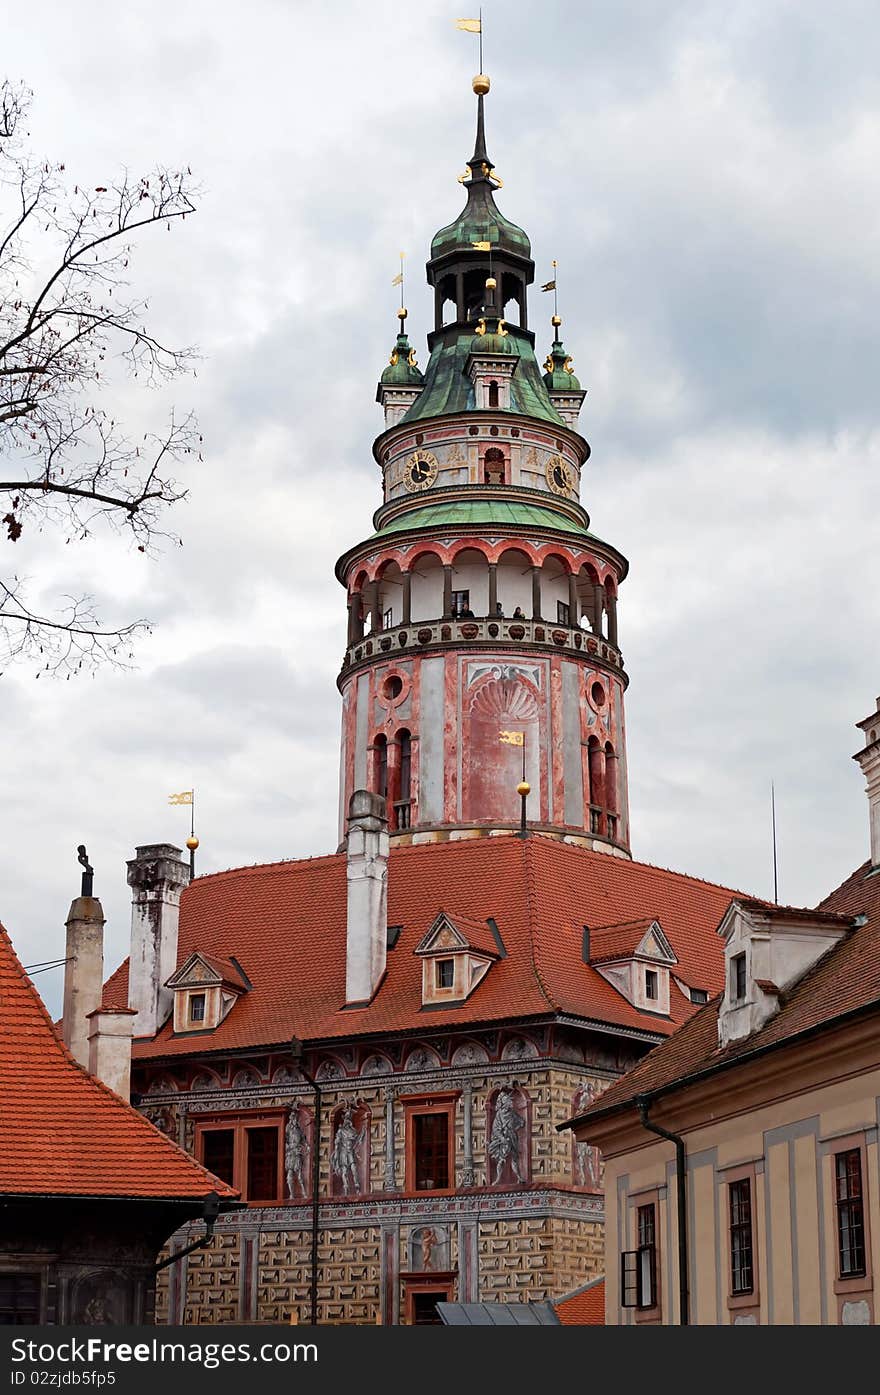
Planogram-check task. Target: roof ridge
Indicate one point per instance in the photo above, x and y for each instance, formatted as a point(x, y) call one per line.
point(531, 921)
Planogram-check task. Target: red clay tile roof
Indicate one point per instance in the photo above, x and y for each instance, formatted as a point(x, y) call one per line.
point(585, 1307)
point(228, 972)
point(843, 981)
point(618, 941)
point(63, 1133)
point(476, 932)
point(286, 924)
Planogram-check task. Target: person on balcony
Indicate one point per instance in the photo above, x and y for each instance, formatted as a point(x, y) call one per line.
point(466, 614)
point(518, 615)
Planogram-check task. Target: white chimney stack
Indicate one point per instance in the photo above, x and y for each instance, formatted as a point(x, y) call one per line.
point(869, 760)
point(84, 967)
point(157, 876)
point(110, 1048)
point(367, 874)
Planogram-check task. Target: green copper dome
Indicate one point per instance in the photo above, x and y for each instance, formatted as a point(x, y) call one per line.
point(402, 370)
point(449, 390)
point(559, 370)
point(481, 221)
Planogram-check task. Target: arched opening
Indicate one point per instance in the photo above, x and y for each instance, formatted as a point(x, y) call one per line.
point(591, 598)
point(470, 584)
point(555, 592)
point(380, 765)
point(513, 294)
point(611, 795)
point(427, 587)
point(611, 610)
point(493, 394)
point(515, 584)
point(446, 307)
point(474, 293)
point(494, 464)
point(390, 581)
point(596, 759)
point(403, 801)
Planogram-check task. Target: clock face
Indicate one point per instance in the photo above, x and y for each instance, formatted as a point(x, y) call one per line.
point(420, 471)
point(560, 476)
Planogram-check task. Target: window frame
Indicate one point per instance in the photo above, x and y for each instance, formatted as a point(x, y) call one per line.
point(442, 1102)
point(737, 964)
point(728, 1176)
point(239, 1124)
point(464, 605)
point(642, 1262)
point(446, 962)
point(853, 1207)
point(741, 1236)
point(38, 1278)
point(192, 998)
point(652, 982)
point(563, 613)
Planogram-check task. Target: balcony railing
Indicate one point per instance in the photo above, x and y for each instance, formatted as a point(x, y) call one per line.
point(425, 634)
point(402, 810)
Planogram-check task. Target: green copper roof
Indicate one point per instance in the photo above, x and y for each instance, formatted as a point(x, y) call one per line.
point(481, 221)
point(480, 512)
point(448, 389)
point(559, 374)
point(402, 369)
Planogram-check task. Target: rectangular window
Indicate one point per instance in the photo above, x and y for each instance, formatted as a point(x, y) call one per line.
point(850, 1214)
point(461, 601)
point(387, 619)
point(246, 1151)
point(196, 1007)
point(445, 973)
point(741, 1263)
point(651, 984)
point(218, 1153)
point(19, 1300)
point(262, 1164)
point(563, 613)
point(699, 995)
point(647, 1256)
point(431, 1151)
point(424, 1308)
point(738, 978)
point(638, 1268)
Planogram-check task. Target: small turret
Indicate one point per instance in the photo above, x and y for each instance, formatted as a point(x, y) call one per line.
point(564, 389)
point(402, 380)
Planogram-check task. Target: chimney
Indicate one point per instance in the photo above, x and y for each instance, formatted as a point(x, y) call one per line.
point(585, 945)
point(84, 967)
point(157, 876)
point(367, 914)
point(110, 1047)
point(869, 760)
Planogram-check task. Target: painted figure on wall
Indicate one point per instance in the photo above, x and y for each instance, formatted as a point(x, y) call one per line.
point(585, 1158)
point(345, 1163)
point(296, 1155)
point(505, 1142)
point(429, 1249)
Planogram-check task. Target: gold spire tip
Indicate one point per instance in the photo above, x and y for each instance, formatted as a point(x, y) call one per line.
point(402, 313)
point(192, 843)
point(481, 84)
point(523, 788)
point(491, 283)
point(556, 320)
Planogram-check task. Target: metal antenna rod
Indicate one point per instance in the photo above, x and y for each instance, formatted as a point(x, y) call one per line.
point(773, 823)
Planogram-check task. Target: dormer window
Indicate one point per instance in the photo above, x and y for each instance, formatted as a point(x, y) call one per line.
point(456, 956)
point(206, 989)
point(635, 957)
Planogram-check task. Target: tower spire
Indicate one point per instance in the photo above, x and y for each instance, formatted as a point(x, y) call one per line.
point(479, 163)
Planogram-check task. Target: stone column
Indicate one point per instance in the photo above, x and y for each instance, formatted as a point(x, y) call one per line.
point(355, 620)
point(493, 587)
point(110, 1048)
point(375, 608)
point(573, 616)
point(157, 876)
point(598, 600)
point(467, 1104)
point(406, 601)
point(536, 593)
point(612, 619)
point(393, 779)
point(447, 591)
point(390, 1183)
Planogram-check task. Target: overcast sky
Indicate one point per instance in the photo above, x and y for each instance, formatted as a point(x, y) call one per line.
point(708, 177)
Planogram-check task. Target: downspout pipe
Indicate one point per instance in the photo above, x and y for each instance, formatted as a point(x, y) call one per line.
point(643, 1104)
point(296, 1048)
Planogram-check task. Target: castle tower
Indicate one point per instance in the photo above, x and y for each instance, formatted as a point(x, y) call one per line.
point(482, 614)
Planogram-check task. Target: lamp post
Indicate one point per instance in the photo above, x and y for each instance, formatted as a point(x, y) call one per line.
point(296, 1051)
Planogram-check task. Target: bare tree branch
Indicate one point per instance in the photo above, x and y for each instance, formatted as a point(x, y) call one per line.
point(64, 461)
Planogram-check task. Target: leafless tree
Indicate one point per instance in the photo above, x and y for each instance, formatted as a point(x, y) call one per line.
point(65, 314)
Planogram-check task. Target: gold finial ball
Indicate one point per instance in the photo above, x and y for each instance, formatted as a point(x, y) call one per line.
point(491, 283)
point(481, 84)
point(523, 788)
point(556, 320)
point(192, 843)
point(402, 314)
